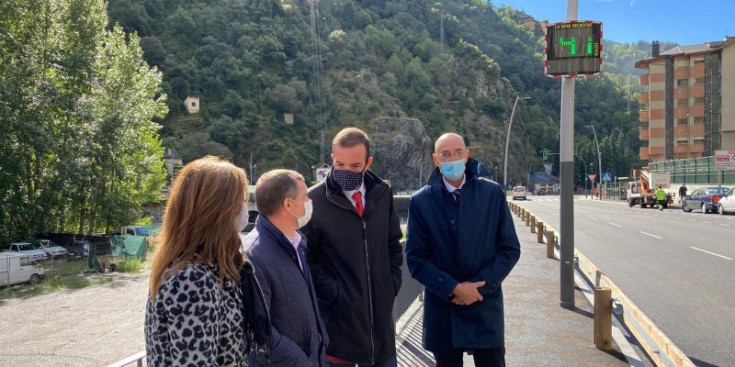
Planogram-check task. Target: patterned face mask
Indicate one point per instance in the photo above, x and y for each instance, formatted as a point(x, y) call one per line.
point(348, 180)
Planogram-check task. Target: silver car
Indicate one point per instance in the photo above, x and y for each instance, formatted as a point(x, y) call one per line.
point(519, 192)
point(50, 247)
point(727, 203)
point(28, 249)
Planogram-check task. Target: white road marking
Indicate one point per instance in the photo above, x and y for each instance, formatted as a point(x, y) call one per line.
point(652, 235)
point(725, 225)
point(691, 220)
point(616, 225)
point(595, 219)
point(706, 222)
point(712, 253)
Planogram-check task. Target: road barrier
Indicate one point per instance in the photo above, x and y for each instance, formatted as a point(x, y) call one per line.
point(540, 232)
point(603, 318)
point(661, 350)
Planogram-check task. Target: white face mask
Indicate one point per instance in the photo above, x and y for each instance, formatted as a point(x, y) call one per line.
point(242, 220)
point(308, 209)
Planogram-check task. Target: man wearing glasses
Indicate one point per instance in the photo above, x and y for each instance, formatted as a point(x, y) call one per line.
point(461, 244)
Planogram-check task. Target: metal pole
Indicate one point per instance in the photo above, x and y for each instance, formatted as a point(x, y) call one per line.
point(507, 140)
point(566, 159)
point(599, 164)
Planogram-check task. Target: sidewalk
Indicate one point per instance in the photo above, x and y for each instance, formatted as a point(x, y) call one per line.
point(538, 332)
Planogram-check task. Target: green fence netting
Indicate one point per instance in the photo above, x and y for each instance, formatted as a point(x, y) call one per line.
point(124, 246)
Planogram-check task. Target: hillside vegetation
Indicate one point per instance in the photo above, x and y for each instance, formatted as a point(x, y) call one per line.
point(406, 71)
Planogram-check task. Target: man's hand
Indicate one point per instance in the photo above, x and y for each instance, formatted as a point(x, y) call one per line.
point(466, 293)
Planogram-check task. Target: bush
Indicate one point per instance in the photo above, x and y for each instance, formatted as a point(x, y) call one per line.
point(129, 265)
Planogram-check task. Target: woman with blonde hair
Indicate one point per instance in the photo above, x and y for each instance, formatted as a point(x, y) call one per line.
point(195, 313)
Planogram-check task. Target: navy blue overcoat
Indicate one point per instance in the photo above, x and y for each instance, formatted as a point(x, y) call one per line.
point(446, 245)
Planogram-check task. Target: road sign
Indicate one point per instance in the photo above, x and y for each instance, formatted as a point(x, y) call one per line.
point(573, 48)
point(607, 176)
point(592, 177)
point(725, 159)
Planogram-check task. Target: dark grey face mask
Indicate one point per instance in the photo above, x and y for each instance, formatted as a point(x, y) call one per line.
point(346, 179)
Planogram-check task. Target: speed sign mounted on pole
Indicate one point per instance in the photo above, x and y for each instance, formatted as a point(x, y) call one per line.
point(573, 49)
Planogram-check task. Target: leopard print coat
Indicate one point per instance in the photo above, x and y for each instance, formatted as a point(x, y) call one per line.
point(193, 322)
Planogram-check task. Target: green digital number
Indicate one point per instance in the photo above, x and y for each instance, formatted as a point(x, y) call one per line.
point(572, 43)
point(589, 46)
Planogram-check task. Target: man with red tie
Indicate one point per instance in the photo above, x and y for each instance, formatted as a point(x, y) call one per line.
point(355, 256)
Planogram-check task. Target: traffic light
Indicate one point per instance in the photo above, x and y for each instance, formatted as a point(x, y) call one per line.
point(546, 154)
point(585, 178)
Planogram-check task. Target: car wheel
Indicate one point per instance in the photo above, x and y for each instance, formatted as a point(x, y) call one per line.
point(631, 203)
point(704, 208)
point(35, 279)
point(721, 209)
point(686, 208)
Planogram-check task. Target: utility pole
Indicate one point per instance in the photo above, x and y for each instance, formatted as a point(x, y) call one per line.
point(507, 141)
point(441, 33)
point(566, 163)
point(599, 162)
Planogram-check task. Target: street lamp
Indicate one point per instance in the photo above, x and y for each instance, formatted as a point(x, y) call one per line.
point(507, 140)
point(599, 163)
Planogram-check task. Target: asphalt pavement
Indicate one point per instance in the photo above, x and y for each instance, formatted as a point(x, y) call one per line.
point(676, 267)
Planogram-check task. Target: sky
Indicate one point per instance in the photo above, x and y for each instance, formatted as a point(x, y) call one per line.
point(686, 22)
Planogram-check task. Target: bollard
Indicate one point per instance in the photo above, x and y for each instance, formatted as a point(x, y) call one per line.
point(603, 318)
point(550, 244)
point(533, 224)
point(523, 214)
point(540, 232)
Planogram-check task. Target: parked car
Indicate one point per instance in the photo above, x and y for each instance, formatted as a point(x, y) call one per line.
point(28, 249)
point(50, 247)
point(519, 192)
point(727, 203)
point(17, 268)
point(541, 191)
point(134, 231)
point(79, 249)
point(704, 198)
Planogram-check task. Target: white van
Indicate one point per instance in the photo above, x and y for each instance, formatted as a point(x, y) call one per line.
point(19, 268)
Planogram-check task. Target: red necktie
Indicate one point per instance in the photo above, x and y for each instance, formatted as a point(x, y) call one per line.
point(357, 196)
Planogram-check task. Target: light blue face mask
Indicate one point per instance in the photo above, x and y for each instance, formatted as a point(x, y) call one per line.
point(453, 171)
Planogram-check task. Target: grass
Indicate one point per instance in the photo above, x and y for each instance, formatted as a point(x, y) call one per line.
point(71, 280)
point(71, 274)
point(129, 265)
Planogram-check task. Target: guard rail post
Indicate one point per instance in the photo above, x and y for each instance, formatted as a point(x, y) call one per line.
point(550, 244)
point(540, 231)
point(533, 224)
point(603, 318)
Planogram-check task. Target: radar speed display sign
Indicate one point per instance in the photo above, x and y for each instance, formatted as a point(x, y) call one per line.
point(573, 48)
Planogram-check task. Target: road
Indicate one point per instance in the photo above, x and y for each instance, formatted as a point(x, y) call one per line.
point(677, 267)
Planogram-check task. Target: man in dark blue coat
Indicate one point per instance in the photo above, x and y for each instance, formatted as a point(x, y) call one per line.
point(278, 253)
point(461, 244)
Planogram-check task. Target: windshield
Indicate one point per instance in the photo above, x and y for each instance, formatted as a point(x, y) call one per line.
point(141, 231)
point(718, 191)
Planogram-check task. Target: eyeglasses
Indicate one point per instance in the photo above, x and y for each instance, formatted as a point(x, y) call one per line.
point(447, 156)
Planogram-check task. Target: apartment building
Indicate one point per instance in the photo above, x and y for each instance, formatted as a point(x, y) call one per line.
point(688, 110)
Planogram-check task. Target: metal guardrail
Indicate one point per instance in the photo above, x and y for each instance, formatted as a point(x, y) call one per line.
point(136, 358)
point(657, 345)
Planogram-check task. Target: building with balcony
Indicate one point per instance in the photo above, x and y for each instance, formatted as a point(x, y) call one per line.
point(688, 109)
